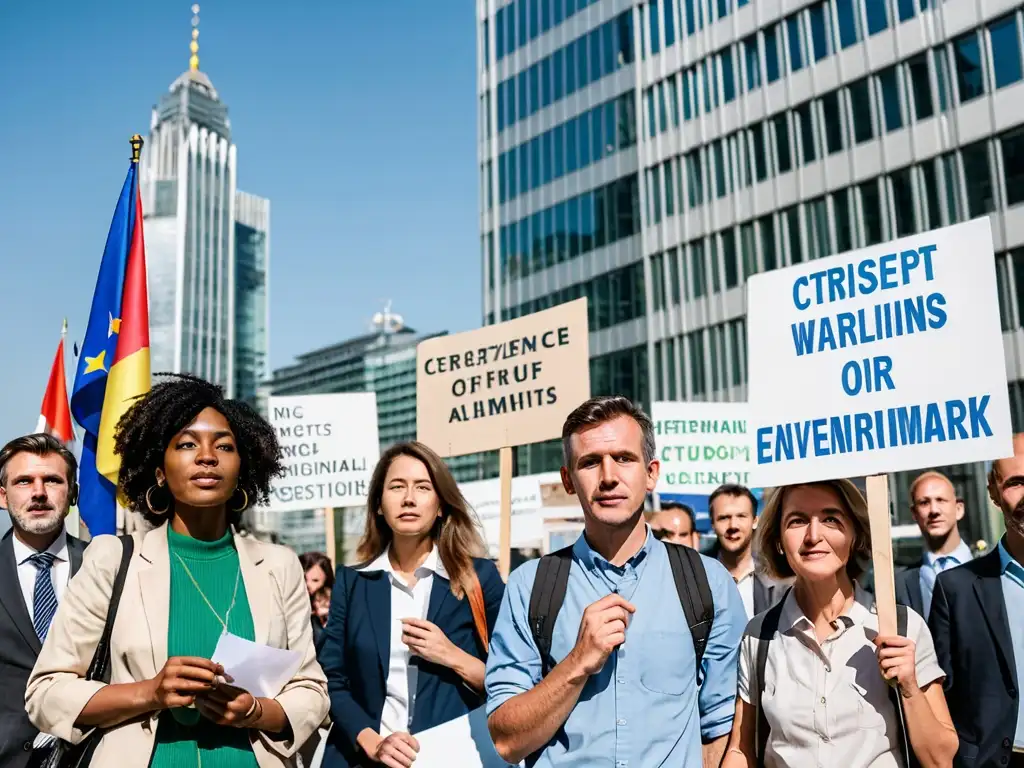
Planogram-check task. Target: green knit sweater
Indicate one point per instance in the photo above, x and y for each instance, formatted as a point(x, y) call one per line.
point(193, 630)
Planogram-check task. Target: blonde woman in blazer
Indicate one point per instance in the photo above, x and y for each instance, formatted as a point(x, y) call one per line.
point(191, 461)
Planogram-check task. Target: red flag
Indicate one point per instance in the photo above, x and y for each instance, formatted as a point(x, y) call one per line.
point(55, 414)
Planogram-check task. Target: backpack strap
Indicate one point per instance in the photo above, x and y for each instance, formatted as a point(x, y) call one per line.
point(479, 608)
point(546, 600)
point(695, 596)
point(769, 626)
point(909, 758)
point(99, 668)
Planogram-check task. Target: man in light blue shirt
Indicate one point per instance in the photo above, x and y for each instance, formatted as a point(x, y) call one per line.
point(623, 691)
point(937, 512)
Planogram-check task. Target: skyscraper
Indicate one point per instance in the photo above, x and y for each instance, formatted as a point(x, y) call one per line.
point(207, 301)
point(652, 155)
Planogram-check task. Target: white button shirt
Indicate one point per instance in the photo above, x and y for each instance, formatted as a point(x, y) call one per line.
point(60, 572)
point(827, 704)
point(406, 603)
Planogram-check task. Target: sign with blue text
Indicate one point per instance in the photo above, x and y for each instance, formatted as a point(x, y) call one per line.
point(879, 360)
point(701, 445)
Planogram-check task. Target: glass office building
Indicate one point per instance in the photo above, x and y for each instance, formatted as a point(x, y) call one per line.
point(207, 244)
point(653, 155)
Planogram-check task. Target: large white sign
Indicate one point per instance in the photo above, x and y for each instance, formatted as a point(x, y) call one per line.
point(701, 445)
point(329, 446)
point(879, 360)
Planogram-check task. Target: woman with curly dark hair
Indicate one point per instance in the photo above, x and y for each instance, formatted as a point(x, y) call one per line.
point(192, 462)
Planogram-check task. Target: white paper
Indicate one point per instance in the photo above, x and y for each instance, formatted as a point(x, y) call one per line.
point(464, 742)
point(258, 669)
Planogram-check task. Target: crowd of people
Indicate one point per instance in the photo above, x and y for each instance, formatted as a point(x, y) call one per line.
point(627, 649)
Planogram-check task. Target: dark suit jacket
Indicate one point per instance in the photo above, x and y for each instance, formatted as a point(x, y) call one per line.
point(356, 647)
point(972, 639)
point(908, 589)
point(19, 647)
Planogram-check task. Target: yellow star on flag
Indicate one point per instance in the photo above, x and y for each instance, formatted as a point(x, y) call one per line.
point(114, 325)
point(97, 363)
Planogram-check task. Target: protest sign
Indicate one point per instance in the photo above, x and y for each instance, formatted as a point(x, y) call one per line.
point(701, 446)
point(884, 359)
point(501, 386)
point(329, 449)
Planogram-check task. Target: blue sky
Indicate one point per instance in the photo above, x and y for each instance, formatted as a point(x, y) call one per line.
point(357, 120)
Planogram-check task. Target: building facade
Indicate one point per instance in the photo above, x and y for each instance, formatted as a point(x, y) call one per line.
point(382, 361)
point(207, 245)
point(651, 155)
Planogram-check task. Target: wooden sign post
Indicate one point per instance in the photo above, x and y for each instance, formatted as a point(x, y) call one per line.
point(332, 541)
point(881, 552)
point(503, 386)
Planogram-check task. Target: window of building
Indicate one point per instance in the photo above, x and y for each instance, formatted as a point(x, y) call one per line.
point(760, 158)
point(872, 206)
point(969, 76)
point(792, 218)
point(1013, 166)
point(921, 86)
point(752, 61)
point(804, 118)
point(817, 223)
point(670, 24)
point(844, 227)
point(905, 9)
point(654, 19)
point(657, 282)
point(951, 179)
point(766, 224)
point(698, 269)
point(877, 18)
point(978, 178)
point(903, 201)
point(846, 20)
point(738, 342)
point(720, 184)
point(696, 356)
point(716, 337)
point(670, 364)
point(714, 265)
point(695, 178)
point(931, 195)
point(888, 82)
point(748, 246)
point(658, 372)
point(732, 264)
point(833, 122)
point(796, 57)
point(820, 32)
point(728, 76)
point(1016, 260)
point(942, 79)
point(772, 69)
point(860, 109)
point(785, 159)
point(673, 276)
point(1006, 64)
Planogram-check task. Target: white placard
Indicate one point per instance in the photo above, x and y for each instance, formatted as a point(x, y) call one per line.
point(464, 742)
point(701, 445)
point(884, 359)
point(329, 445)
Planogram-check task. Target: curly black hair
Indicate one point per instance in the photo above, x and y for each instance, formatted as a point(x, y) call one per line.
point(147, 427)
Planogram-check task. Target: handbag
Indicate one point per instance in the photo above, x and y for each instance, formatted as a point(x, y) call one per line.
point(67, 755)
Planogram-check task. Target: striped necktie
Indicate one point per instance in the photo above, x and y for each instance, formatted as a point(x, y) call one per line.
point(44, 599)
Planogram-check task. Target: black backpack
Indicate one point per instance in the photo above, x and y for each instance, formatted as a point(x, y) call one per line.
point(688, 572)
point(769, 627)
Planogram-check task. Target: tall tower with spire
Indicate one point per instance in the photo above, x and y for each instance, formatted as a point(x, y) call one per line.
point(200, 286)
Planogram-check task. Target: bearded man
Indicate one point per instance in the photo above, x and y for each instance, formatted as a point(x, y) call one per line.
point(977, 622)
point(38, 486)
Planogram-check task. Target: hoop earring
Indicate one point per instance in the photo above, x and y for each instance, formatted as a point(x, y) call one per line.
point(149, 501)
point(245, 500)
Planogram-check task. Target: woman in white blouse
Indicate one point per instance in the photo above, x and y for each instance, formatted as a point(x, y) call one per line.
point(826, 699)
point(407, 636)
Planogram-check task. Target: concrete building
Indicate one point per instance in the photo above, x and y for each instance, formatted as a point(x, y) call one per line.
point(207, 245)
point(651, 155)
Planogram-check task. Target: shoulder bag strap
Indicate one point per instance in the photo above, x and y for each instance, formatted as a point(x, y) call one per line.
point(769, 627)
point(479, 609)
point(909, 758)
point(546, 600)
point(99, 669)
point(691, 581)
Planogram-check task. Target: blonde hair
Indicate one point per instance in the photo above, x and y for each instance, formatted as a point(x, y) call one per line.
point(931, 474)
point(769, 529)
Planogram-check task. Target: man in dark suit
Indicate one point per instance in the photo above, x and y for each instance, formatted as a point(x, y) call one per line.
point(977, 622)
point(37, 558)
point(937, 511)
point(733, 512)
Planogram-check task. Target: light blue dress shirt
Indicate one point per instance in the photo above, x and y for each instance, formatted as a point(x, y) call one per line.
point(644, 707)
point(932, 565)
point(1013, 596)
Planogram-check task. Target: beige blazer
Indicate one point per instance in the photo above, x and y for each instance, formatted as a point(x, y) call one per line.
point(57, 691)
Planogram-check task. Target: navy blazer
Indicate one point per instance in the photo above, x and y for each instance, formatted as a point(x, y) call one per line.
point(356, 647)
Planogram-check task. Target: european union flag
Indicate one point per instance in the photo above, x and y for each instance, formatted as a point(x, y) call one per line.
point(98, 496)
